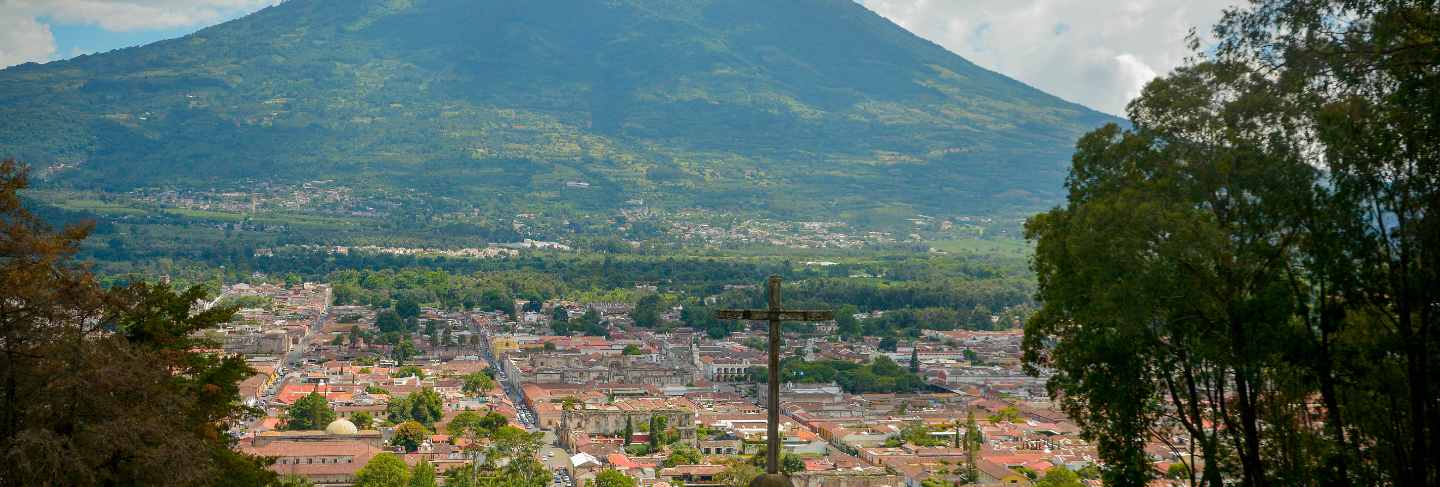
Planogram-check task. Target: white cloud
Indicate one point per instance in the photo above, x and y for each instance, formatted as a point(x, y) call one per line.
point(1097, 53)
point(130, 15)
point(23, 37)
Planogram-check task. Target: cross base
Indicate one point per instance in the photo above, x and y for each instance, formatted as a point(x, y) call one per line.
point(772, 480)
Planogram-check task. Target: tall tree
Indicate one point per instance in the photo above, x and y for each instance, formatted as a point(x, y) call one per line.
point(654, 439)
point(1197, 205)
point(973, 444)
point(848, 327)
point(647, 311)
point(1278, 245)
point(423, 475)
point(107, 387)
point(1370, 69)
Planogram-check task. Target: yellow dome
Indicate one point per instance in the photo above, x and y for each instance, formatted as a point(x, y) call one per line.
point(342, 426)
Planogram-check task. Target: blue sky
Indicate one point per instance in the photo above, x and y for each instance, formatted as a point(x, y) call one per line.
point(1095, 52)
point(75, 39)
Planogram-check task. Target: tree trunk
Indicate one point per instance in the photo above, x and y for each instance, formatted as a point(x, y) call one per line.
point(1253, 469)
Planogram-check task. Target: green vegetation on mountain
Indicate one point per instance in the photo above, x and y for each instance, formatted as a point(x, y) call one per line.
point(791, 109)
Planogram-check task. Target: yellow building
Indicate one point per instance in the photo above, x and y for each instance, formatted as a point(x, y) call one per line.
point(501, 344)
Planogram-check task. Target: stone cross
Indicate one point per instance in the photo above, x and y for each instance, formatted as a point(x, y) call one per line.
point(776, 315)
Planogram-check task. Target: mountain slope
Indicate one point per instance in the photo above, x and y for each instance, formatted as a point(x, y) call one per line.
point(795, 108)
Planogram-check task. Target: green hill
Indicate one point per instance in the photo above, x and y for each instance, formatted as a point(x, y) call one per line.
point(801, 109)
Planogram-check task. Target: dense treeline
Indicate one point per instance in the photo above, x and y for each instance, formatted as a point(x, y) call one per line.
point(881, 375)
point(952, 293)
point(1254, 264)
point(909, 307)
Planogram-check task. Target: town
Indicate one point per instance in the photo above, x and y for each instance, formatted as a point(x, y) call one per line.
point(339, 386)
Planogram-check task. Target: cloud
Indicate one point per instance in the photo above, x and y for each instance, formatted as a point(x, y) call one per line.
point(25, 37)
point(1097, 53)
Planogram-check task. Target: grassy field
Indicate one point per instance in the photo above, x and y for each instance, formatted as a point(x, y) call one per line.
point(1008, 247)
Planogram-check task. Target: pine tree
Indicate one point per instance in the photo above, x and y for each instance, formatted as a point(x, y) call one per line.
point(915, 358)
point(654, 433)
point(629, 430)
point(973, 442)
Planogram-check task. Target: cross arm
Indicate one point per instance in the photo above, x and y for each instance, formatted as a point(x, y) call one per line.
point(775, 315)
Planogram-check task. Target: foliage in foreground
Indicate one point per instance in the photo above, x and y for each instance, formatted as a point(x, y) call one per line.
point(104, 387)
point(1264, 239)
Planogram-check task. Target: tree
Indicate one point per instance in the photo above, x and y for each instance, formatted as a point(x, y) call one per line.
point(410, 435)
point(1278, 203)
point(388, 321)
point(888, 344)
point(407, 308)
point(80, 364)
point(1207, 197)
point(1371, 271)
point(471, 423)
point(647, 311)
point(703, 318)
point(409, 371)
point(423, 475)
point(682, 455)
point(1177, 471)
point(738, 474)
point(613, 478)
point(527, 471)
point(424, 407)
point(384, 470)
point(1059, 477)
point(590, 317)
point(433, 332)
point(477, 384)
point(656, 431)
point(1007, 414)
point(631, 349)
point(915, 358)
point(311, 412)
point(560, 314)
point(848, 327)
point(629, 432)
point(973, 444)
point(363, 420)
point(404, 351)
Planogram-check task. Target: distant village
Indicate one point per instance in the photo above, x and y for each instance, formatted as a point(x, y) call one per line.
point(596, 399)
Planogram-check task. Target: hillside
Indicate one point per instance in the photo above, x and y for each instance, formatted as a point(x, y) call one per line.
point(798, 109)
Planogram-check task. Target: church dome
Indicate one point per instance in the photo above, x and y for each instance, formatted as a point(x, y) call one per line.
point(341, 426)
